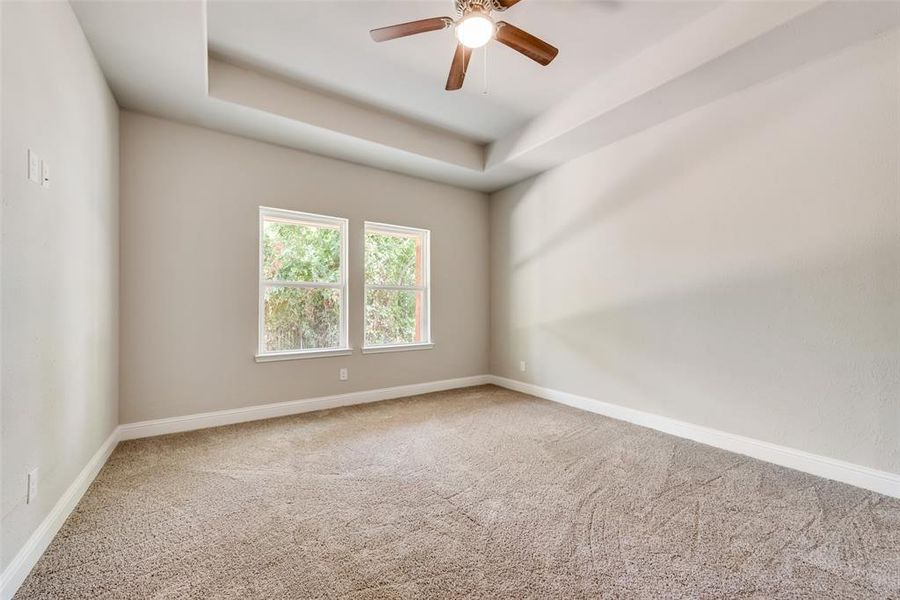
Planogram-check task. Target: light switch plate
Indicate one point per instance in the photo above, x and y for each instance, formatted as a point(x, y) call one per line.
point(45, 174)
point(34, 167)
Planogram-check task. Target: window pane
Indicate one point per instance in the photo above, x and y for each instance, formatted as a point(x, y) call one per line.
point(393, 259)
point(393, 317)
point(301, 318)
point(301, 252)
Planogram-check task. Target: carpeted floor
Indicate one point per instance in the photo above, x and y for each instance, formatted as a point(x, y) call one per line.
point(474, 493)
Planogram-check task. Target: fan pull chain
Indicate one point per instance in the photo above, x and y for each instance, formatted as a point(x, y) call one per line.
point(485, 70)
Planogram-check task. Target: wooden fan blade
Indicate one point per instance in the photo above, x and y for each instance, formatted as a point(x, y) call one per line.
point(521, 41)
point(507, 3)
point(458, 67)
point(400, 30)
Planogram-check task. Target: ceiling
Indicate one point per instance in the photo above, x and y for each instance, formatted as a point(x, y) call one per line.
point(326, 45)
point(304, 74)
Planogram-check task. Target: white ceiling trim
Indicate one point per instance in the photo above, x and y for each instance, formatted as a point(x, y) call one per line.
point(729, 48)
point(269, 94)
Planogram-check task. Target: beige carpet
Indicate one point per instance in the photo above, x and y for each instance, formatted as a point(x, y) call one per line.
point(475, 493)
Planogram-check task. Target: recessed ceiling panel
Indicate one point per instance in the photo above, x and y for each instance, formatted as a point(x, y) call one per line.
point(325, 45)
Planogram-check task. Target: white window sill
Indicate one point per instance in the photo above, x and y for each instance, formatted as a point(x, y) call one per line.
point(300, 354)
point(397, 348)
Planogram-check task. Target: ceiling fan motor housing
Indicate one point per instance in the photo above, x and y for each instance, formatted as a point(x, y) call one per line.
point(464, 7)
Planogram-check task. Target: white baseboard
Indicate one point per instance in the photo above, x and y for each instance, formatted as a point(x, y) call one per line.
point(143, 429)
point(882, 482)
point(27, 557)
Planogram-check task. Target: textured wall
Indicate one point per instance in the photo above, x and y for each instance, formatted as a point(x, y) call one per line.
point(737, 267)
point(60, 261)
point(190, 201)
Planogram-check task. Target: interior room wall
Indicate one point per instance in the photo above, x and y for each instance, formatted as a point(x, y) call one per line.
point(190, 199)
point(737, 267)
point(59, 262)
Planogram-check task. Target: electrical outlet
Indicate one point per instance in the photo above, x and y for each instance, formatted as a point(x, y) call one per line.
point(522, 365)
point(45, 174)
point(344, 375)
point(34, 167)
point(31, 494)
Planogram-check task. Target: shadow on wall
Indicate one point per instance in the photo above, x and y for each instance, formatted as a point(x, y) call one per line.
point(684, 151)
point(735, 267)
point(800, 345)
point(710, 82)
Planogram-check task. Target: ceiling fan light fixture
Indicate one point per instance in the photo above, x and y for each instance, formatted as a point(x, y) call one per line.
point(475, 30)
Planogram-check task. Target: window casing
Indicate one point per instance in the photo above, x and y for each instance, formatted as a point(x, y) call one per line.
point(302, 285)
point(397, 300)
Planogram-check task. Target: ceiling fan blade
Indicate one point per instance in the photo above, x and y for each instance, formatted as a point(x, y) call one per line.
point(507, 3)
point(458, 67)
point(521, 41)
point(400, 30)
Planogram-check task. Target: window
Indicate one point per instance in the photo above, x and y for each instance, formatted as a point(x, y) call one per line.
point(302, 286)
point(397, 288)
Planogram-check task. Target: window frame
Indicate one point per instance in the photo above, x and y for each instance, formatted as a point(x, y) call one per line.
point(342, 285)
point(427, 341)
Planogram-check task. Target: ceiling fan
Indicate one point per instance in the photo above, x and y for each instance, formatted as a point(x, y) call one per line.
point(474, 29)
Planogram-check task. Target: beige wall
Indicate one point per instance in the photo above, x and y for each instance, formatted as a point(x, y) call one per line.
point(737, 267)
point(189, 270)
point(59, 261)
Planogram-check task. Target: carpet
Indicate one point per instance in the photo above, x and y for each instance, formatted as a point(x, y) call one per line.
point(473, 493)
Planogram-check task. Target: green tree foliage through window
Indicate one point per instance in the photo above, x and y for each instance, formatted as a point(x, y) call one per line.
point(298, 317)
point(395, 294)
point(391, 317)
point(302, 319)
point(300, 252)
point(391, 259)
